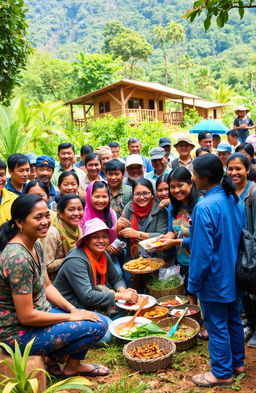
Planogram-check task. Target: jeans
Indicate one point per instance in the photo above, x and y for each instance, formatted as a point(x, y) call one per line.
point(64, 338)
point(226, 336)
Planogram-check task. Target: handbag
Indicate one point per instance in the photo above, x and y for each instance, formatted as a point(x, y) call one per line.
point(246, 263)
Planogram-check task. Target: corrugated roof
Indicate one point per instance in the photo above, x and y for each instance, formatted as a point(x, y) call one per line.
point(200, 103)
point(149, 86)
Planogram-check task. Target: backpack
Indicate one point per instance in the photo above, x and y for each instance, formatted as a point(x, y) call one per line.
point(246, 263)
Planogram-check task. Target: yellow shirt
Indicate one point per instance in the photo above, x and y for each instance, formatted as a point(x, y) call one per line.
point(5, 207)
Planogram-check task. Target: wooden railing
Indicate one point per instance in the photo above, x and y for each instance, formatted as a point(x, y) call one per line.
point(174, 118)
point(136, 116)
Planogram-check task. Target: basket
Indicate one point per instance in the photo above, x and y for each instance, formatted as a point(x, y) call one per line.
point(150, 365)
point(171, 297)
point(196, 316)
point(178, 290)
point(191, 341)
point(155, 308)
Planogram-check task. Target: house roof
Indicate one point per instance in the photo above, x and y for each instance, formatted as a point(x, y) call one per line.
point(200, 103)
point(146, 86)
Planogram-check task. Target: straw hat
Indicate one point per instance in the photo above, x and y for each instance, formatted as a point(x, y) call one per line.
point(241, 108)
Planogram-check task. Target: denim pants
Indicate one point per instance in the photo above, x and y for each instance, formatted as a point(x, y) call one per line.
point(226, 336)
point(65, 338)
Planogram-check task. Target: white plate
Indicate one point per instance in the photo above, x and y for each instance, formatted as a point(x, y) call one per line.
point(134, 307)
point(140, 321)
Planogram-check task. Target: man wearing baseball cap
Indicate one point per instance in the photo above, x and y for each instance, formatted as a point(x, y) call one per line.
point(205, 139)
point(44, 170)
point(167, 145)
point(159, 163)
point(184, 146)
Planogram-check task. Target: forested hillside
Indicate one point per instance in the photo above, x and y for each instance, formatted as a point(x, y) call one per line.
point(63, 27)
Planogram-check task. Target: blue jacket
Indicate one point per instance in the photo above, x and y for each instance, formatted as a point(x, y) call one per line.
point(215, 234)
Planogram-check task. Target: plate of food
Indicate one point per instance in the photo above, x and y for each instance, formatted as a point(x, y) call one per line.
point(143, 327)
point(124, 334)
point(143, 265)
point(133, 307)
point(150, 244)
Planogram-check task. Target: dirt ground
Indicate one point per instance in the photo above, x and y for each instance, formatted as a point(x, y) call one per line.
point(177, 378)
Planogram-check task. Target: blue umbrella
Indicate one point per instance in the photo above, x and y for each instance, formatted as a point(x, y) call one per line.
point(210, 125)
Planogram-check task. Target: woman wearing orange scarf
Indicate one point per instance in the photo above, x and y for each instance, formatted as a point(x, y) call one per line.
point(146, 217)
point(88, 277)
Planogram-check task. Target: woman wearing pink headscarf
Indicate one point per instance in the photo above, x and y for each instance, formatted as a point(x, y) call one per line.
point(97, 205)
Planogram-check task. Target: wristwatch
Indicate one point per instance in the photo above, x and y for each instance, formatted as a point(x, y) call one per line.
point(140, 235)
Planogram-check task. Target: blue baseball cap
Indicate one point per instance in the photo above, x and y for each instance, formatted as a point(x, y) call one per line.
point(45, 161)
point(224, 147)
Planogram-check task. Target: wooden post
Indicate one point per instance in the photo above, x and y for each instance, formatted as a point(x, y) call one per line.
point(193, 103)
point(71, 112)
point(155, 107)
point(182, 103)
point(122, 100)
point(84, 112)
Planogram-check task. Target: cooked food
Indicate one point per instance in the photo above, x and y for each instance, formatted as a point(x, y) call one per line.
point(143, 264)
point(148, 351)
point(182, 333)
point(171, 302)
point(140, 300)
point(150, 329)
point(177, 313)
point(151, 243)
point(154, 313)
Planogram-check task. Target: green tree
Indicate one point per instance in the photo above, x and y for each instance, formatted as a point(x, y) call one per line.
point(93, 71)
point(46, 78)
point(131, 47)
point(177, 34)
point(185, 63)
point(161, 37)
point(218, 9)
point(14, 46)
point(111, 30)
point(224, 94)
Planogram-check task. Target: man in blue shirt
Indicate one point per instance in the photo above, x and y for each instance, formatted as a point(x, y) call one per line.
point(134, 147)
point(243, 123)
point(19, 169)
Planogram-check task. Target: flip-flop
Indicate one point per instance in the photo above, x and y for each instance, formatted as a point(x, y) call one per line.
point(92, 373)
point(237, 372)
point(55, 370)
point(204, 382)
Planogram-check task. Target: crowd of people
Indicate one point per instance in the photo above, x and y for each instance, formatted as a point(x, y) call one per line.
point(68, 227)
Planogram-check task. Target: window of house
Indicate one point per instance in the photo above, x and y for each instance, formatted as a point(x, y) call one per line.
point(160, 105)
point(104, 107)
point(151, 104)
point(135, 103)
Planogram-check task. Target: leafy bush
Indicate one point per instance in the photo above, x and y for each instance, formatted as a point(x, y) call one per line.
point(191, 117)
point(20, 382)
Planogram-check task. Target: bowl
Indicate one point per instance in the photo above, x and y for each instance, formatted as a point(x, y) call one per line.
point(182, 345)
point(140, 321)
point(196, 315)
point(161, 300)
point(150, 365)
point(155, 309)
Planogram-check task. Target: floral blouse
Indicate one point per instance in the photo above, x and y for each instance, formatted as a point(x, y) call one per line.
point(19, 274)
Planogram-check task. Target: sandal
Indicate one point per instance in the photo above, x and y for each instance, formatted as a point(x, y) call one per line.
point(95, 372)
point(55, 370)
point(239, 370)
point(206, 383)
point(203, 335)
